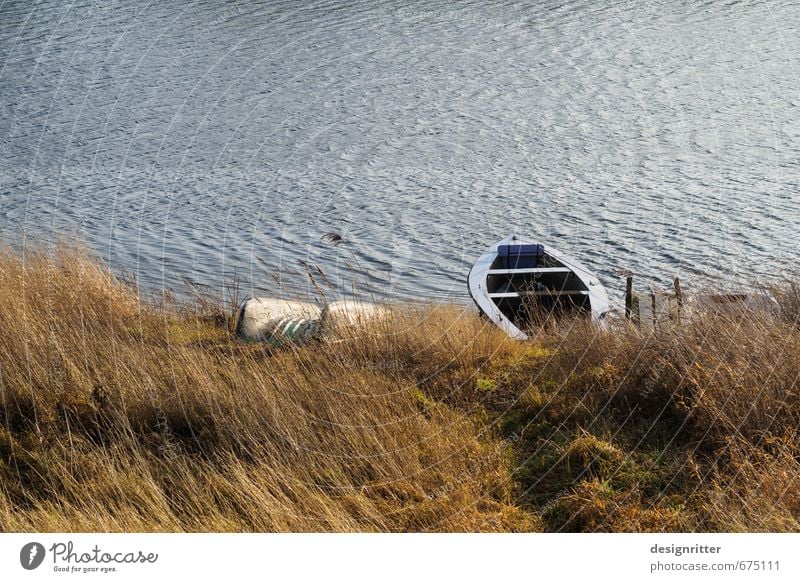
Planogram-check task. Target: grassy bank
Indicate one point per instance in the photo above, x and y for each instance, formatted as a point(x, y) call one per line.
point(119, 415)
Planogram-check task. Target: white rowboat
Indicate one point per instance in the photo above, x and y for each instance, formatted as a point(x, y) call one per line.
point(517, 275)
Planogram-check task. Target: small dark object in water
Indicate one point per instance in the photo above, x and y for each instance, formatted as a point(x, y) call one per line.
point(333, 238)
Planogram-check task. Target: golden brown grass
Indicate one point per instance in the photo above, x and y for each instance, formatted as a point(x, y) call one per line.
point(123, 415)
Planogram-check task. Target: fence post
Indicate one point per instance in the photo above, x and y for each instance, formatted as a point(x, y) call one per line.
point(628, 296)
point(653, 307)
point(678, 295)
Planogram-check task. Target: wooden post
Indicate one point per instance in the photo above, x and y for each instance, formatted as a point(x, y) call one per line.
point(628, 296)
point(653, 307)
point(678, 295)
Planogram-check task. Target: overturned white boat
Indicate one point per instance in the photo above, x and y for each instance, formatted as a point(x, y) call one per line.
point(517, 279)
point(350, 314)
point(280, 322)
point(277, 321)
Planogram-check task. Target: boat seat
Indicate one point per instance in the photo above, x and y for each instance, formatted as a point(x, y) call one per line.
point(511, 295)
point(529, 271)
point(522, 256)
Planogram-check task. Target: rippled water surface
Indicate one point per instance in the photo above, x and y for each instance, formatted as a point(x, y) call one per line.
point(201, 139)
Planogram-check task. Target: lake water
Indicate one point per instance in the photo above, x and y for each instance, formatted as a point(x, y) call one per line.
point(198, 140)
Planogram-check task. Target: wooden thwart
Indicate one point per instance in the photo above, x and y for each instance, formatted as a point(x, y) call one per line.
point(512, 294)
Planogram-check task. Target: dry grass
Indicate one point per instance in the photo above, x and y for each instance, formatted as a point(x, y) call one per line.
point(122, 415)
